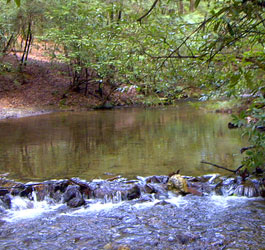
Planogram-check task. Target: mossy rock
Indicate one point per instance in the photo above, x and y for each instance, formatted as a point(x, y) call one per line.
point(177, 184)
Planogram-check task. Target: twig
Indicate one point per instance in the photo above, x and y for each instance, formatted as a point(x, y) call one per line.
point(148, 12)
point(217, 166)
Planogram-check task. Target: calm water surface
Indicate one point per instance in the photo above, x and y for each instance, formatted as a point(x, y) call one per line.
point(129, 142)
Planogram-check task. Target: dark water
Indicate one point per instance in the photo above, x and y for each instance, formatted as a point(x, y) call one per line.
point(129, 142)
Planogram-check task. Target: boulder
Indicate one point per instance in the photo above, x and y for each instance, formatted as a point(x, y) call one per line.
point(177, 184)
point(134, 193)
point(73, 197)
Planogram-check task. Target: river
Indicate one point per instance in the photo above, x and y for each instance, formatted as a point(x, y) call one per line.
point(128, 142)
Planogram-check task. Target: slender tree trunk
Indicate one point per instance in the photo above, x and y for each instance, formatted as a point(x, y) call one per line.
point(28, 48)
point(192, 5)
point(27, 45)
point(181, 7)
point(8, 44)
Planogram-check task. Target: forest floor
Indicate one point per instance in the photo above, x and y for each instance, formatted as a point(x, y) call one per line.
point(44, 86)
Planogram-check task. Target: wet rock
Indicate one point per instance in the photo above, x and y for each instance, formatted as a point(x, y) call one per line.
point(43, 191)
point(76, 202)
point(134, 193)
point(162, 203)
point(84, 187)
point(6, 201)
point(73, 197)
point(248, 188)
point(159, 190)
point(14, 187)
point(226, 186)
point(57, 196)
point(177, 184)
point(60, 185)
point(157, 179)
point(194, 191)
point(3, 192)
point(145, 198)
point(26, 191)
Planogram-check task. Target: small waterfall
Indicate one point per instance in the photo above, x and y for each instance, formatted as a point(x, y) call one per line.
point(113, 198)
point(24, 208)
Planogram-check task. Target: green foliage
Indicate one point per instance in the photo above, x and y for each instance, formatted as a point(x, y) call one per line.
point(16, 1)
point(252, 123)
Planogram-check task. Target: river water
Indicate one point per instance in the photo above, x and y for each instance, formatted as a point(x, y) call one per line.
point(129, 142)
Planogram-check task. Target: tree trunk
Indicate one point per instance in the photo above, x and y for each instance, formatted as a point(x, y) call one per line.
point(192, 5)
point(8, 44)
point(27, 45)
point(181, 7)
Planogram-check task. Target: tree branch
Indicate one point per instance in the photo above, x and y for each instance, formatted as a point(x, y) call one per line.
point(217, 166)
point(178, 57)
point(148, 12)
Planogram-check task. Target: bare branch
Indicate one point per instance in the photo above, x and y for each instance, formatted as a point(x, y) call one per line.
point(217, 166)
point(148, 12)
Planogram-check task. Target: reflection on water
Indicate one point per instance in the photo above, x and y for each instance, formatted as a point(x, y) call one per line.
point(128, 141)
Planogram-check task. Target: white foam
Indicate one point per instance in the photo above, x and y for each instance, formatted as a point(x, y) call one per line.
point(94, 207)
point(22, 208)
point(227, 201)
point(172, 199)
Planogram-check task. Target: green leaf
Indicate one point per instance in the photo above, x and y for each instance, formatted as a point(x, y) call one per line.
point(17, 2)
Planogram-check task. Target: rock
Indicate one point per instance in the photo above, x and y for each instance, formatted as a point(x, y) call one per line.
point(134, 193)
point(42, 191)
point(73, 197)
point(76, 202)
point(26, 192)
point(157, 179)
point(177, 184)
point(226, 186)
point(3, 191)
point(60, 185)
point(84, 187)
point(158, 189)
point(6, 201)
point(248, 189)
point(162, 203)
point(71, 192)
point(145, 198)
point(194, 191)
